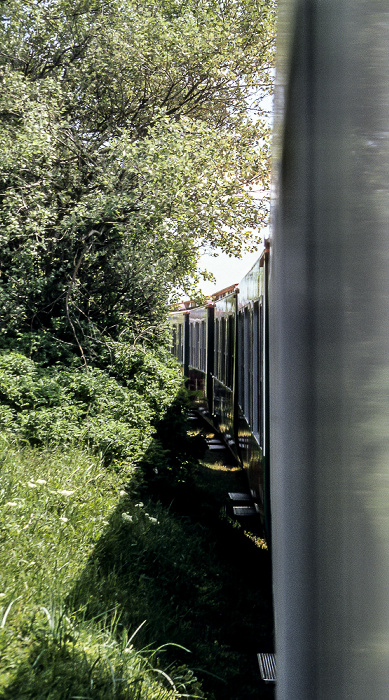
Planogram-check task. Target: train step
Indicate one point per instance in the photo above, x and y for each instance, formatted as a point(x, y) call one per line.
point(239, 497)
point(215, 444)
point(244, 511)
point(267, 667)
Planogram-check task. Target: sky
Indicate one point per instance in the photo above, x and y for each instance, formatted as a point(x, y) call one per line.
point(227, 270)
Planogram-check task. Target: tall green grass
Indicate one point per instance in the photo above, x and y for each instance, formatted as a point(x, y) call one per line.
point(56, 507)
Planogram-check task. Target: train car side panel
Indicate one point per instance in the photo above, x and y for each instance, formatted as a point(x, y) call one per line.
point(198, 332)
point(252, 380)
point(224, 375)
point(330, 352)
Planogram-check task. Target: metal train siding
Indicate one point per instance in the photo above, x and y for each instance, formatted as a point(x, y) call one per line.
point(329, 351)
point(224, 352)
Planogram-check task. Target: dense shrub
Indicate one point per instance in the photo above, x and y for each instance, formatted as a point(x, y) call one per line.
point(112, 411)
point(152, 373)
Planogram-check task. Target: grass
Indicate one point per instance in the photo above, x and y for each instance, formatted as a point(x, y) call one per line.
point(56, 507)
point(103, 588)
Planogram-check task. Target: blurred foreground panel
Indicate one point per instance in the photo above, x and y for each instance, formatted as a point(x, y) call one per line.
point(329, 351)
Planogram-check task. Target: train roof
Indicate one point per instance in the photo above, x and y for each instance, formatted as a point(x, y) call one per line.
point(191, 304)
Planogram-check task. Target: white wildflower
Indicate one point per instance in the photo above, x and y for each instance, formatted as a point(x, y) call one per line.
point(127, 517)
point(32, 485)
point(139, 505)
point(123, 493)
point(41, 481)
point(11, 504)
point(64, 520)
point(66, 493)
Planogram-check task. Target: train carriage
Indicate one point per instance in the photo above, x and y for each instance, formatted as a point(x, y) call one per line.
point(199, 358)
point(222, 348)
point(252, 383)
point(325, 336)
point(329, 338)
point(179, 329)
point(224, 377)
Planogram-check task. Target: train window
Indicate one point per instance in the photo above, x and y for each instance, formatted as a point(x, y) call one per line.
point(200, 357)
point(197, 345)
point(230, 351)
point(257, 371)
point(222, 375)
point(224, 351)
point(247, 403)
point(241, 359)
point(202, 346)
point(260, 376)
point(180, 343)
point(217, 343)
point(219, 348)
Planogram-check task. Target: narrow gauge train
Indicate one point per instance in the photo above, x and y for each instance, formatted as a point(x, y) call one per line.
point(329, 350)
point(224, 352)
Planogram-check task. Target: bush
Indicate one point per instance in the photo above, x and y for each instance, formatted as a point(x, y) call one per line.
point(113, 413)
point(153, 373)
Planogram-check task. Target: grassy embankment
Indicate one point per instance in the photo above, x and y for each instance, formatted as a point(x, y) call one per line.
point(116, 545)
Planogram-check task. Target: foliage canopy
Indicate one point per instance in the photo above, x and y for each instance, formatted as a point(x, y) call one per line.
point(126, 149)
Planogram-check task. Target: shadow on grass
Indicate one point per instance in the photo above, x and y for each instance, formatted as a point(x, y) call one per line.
point(173, 563)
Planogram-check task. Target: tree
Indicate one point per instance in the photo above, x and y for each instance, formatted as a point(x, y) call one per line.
point(126, 149)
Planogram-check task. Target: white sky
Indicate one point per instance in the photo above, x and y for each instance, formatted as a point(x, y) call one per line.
point(227, 270)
